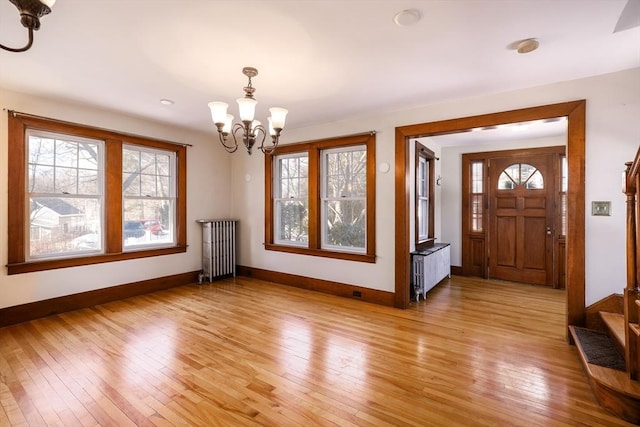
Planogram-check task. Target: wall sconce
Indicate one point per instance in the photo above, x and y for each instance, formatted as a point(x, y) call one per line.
point(30, 11)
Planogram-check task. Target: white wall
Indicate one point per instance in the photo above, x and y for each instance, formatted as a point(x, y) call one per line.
point(613, 136)
point(208, 171)
point(218, 187)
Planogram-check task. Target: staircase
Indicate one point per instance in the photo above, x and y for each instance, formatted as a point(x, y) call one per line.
point(610, 348)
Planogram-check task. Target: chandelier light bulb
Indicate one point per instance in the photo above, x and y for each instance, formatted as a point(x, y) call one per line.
point(247, 107)
point(228, 122)
point(278, 116)
point(218, 112)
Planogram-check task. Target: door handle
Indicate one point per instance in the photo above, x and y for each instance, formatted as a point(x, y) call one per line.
point(548, 231)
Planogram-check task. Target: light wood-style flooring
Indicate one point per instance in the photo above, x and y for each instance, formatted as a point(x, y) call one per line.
point(245, 352)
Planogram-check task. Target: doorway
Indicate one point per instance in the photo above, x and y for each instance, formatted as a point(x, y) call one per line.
point(575, 198)
point(522, 228)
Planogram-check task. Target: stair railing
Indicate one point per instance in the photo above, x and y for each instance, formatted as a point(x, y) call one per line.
point(632, 290)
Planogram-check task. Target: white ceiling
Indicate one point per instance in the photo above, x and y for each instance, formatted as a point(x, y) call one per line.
point(321, 59)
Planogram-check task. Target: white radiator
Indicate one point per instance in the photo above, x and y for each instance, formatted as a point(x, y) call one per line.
point(218, 248)
point(429, 267)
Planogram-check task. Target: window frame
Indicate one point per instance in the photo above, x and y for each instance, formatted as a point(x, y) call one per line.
point(37, 196)
point(18, 124)
point(429, 157)
point(314, 149)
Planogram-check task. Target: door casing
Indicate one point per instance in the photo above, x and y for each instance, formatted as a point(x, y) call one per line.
point(575, 112)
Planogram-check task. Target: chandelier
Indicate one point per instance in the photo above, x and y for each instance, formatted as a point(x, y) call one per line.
point(30, 11)
point(251, 130)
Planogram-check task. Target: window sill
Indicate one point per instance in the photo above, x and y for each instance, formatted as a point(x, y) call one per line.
point(52, 264)
point(347, 256)
point(425, 244)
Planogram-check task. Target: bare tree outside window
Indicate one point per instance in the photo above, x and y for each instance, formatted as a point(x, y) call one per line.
point(344, 197)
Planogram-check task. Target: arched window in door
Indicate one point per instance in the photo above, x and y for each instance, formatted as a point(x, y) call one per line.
point(520, 174)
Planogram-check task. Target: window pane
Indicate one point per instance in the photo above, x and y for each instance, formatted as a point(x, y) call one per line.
point(130, 161)
point(477, 177)
point(40, 179)
point(505, 182)
point(292, 221)
point(65, 200)
point(66, 153)
point(346, 173)
point(535, 182)
point(563, 213)
point(58, 165)
point(345, 224)
point(147, 222)
point(88, 156)
point(565, 174)
point(423, 219)
point(41, 150)
point(525, 172)
point(61, 226)
point(148, 197)
point(513, 172)
point(292, 176)
point(131, 184)
point(65, 180)
point(88, 182)
point(148, 185)
point(476, 213)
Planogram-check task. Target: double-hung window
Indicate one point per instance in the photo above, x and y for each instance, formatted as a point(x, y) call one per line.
point(344, 198)
point(321, 198)
point(149, 196)
point(65, 188)
point(291, 205)
point(80, 195)
point(424, 196)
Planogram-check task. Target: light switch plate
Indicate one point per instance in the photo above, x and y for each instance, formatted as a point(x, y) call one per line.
point(601, 208)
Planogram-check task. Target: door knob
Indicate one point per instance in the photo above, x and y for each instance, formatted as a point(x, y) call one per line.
point(548, 231)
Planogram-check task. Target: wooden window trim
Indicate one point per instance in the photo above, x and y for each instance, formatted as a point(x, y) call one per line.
point(422, 151)
point(313, 150)
point(17, 126)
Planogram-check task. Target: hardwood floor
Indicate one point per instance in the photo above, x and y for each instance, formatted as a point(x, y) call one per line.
point(246, 352)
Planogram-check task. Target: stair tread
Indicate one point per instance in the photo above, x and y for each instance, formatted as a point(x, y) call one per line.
point(615, 323)
point(612, 378)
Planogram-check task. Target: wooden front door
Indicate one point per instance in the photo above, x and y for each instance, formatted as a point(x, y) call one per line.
point(521, 218)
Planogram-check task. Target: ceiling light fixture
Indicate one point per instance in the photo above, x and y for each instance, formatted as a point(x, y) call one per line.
point(406, 18)
point(528, 45)
point(250, 128)
point(30, 11)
